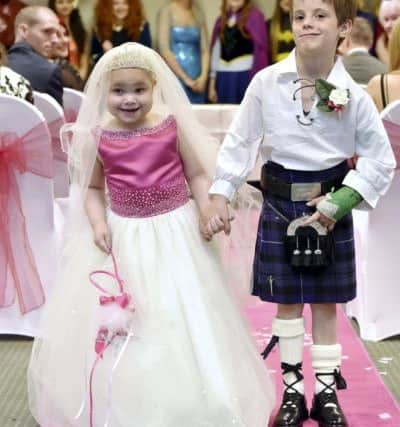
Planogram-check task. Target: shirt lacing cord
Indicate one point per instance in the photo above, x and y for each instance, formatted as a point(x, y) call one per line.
point(298, 117)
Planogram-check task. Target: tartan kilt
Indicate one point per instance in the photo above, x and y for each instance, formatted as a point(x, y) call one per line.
point(274, 279)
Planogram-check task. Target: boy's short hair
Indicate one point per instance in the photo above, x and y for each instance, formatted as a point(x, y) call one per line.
point(344, 9)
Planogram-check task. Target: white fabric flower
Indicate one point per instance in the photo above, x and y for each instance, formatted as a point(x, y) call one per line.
point(339, 96)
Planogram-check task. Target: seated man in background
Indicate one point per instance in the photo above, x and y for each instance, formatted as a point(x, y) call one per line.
point(36, 33)
point(357, 60)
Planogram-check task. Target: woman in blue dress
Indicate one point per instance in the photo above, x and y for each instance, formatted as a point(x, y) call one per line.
point(183, 43)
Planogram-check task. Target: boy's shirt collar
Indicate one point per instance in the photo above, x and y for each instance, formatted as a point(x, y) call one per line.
point(337, 75)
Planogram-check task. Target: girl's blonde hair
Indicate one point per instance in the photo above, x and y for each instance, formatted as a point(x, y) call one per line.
point(394, 47)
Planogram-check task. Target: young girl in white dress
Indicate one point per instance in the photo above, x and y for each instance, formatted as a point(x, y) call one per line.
point(142, 329)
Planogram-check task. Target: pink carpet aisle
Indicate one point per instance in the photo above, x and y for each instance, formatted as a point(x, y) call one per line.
point(367, 402)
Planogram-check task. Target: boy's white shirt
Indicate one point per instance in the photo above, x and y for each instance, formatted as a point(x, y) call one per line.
point(266, 122)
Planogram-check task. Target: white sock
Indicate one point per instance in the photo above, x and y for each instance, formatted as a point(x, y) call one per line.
point(325, 359)
point(291, 343)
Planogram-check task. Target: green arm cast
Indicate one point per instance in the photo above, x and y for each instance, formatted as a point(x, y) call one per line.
point(338, 204)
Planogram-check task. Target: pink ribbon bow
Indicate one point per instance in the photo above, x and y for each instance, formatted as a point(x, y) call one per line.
point(70, 115)
point(393, 131)
point(122, 300)
point(18, 272)
point(54, 128)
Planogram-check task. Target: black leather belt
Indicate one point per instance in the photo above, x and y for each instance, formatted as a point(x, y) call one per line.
point(298, 191)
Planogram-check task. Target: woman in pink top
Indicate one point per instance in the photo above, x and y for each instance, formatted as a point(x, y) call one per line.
point(165, 345)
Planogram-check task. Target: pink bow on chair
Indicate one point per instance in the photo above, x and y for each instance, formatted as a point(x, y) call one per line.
point(70, 115)
point(393, 131)
point(54, 128)
point(18, 273)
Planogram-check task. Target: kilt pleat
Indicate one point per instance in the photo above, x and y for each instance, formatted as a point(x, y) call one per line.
point(274, 279)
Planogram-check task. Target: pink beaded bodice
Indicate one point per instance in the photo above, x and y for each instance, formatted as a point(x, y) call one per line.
point(143, 170)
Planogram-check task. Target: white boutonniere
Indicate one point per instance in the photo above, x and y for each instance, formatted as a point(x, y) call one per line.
point(331, 98)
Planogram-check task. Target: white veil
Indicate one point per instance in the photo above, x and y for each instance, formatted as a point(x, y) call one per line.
point(80, 139)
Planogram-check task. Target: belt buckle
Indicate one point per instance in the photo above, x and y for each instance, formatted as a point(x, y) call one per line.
point(304, 191)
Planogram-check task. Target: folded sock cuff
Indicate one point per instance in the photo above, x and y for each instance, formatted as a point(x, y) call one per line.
point(326, 356)
point(288, 328)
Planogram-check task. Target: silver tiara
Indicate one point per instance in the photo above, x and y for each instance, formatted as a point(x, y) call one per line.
point(131, 55)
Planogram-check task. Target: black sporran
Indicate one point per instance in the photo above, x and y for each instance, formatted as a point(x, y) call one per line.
point(308, 247)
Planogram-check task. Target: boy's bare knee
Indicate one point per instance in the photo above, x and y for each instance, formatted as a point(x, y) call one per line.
point(290, 311)
point(323, 309)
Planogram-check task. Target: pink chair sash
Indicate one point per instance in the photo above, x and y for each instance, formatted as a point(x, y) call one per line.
point(54, 128)
point(70, 115)
point(393, 131)
point(18, 273)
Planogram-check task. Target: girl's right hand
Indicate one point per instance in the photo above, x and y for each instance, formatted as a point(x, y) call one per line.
point(102, 237)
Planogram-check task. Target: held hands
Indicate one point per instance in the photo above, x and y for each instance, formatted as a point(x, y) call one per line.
point(318, 216)
point(215, 218)
point(102, 237)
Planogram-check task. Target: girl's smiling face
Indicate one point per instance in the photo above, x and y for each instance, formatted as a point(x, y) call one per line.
point(130, 96)
point(120, 10)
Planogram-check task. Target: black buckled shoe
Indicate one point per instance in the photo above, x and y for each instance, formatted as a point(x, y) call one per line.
point(325, 407)
point(293, 410)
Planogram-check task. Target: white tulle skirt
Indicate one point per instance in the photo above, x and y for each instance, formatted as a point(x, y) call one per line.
point(191, 361)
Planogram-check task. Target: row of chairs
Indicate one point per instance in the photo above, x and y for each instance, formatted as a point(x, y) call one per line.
point(33, 173)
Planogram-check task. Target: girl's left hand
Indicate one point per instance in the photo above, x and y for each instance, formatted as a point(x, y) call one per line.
point(318, 216)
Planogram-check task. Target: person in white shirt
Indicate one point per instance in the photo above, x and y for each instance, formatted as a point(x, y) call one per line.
point(306, 116)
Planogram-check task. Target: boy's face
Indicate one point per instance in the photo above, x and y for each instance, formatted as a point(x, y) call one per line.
point(315, 27)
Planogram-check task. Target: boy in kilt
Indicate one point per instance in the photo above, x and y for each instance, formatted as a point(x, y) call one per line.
point(305, 116)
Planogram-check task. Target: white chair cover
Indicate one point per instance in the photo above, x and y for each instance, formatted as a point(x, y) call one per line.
point(54, 115)
point(377, 238)
point(216, 117)
point(72, 100)
point(42, 217)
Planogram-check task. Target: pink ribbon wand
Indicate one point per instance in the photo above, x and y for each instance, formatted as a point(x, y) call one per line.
point(120, 312)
